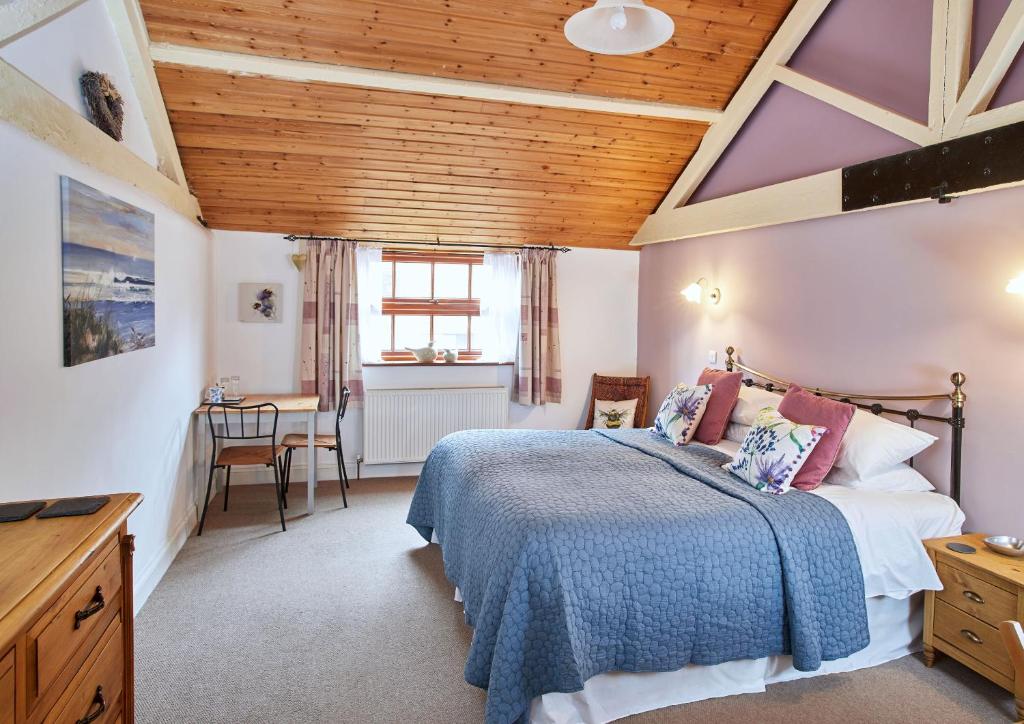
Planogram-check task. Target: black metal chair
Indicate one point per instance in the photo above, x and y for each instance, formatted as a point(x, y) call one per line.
point(325, 442)
point(234, 418)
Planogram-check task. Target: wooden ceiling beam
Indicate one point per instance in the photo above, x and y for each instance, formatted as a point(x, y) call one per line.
point(991, 69)
point(952, 21)
point(31, 108)
point(306, 72)
point(877, 115)
point(131, 31)
point(787, 39)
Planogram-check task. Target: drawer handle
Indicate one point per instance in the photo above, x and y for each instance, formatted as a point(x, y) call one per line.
point(100, 705)
point(972, 596)
point(95, 606)
point(971, 636)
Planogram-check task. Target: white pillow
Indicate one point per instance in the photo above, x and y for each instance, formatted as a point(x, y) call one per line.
point(873, 444)
point(614, 414)
point(901, 478)
point(736, 432)
point(680, 413)
point(774, 451)
point(750, 402)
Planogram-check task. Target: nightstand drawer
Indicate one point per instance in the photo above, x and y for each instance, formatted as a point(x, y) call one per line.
point(972, 595)
point(972, 636)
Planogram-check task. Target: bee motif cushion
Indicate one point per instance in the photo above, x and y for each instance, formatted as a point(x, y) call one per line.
point(614, 414)
point(773, 451)
point(680, 413)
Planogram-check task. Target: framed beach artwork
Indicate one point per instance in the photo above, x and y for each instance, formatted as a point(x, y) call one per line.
point(259, 302)
point(107, 247)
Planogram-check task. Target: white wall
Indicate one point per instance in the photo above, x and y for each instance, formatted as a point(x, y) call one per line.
point(116, 424)
point(597, 297)
point(56, 54)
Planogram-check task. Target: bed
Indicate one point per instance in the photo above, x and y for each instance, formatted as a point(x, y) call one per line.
point(610, 572)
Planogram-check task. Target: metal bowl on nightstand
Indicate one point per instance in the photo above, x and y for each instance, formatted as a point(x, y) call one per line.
point(1006, 544)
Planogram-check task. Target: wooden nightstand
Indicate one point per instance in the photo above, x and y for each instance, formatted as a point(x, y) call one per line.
point(980, 590)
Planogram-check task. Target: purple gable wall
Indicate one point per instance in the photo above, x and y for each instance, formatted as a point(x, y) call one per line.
point(792, 135)
point(987, 14)
point(877, 49)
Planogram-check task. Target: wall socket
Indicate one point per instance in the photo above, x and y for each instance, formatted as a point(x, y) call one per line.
point(712, 356)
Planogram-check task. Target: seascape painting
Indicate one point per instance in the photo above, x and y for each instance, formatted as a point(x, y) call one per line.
point(109, 281)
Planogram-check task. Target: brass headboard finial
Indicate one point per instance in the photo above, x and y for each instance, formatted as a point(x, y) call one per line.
point(958, 397)
point(729, 351)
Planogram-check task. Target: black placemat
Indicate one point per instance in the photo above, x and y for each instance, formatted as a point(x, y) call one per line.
point(75, 506)
point(13, 512)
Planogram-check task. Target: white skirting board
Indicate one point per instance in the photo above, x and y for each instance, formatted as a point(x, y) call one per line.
point(147, 580)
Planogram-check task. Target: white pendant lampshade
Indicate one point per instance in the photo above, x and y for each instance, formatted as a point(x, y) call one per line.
point(619, 27)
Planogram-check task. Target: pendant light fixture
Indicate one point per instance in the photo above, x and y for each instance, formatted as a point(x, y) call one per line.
point(619, 27)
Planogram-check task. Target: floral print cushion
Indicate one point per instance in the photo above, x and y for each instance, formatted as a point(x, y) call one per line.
point(680, 413)
point(773, 451)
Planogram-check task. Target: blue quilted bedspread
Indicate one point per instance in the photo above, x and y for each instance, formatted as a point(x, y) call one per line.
point(579, 552)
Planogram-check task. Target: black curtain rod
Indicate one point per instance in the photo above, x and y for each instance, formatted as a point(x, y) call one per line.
point(470, 244)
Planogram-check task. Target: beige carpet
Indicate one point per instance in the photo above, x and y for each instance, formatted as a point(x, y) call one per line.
point(347, 617)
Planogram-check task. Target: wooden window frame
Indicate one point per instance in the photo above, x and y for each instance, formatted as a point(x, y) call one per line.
point(434, 306)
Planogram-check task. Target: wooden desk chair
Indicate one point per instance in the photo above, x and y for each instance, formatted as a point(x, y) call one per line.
point(324, 442)
point(233, 419)
point(621, 388)
point(1013, 635)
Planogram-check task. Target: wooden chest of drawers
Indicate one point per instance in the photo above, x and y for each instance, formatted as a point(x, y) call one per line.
point(66, 618)
point(980, 590)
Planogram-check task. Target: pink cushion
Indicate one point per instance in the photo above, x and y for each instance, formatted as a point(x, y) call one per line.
point(725, 391)
point(806, 408)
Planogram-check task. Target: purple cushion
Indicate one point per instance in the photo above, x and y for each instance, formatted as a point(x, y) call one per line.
point(806, 408)
point(725, 391)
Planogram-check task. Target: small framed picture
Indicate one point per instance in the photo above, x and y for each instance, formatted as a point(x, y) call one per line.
point(259, 302)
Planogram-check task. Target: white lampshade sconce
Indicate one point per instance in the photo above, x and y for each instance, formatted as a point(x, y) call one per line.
point(1016, 285)
point(700, 292)
point(619, 27)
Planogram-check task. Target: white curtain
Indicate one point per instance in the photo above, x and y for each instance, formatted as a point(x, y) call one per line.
point(372, 328)
point(499, 306)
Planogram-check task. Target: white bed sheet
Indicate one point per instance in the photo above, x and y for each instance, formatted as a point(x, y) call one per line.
point(888, 529)
point(895, 626)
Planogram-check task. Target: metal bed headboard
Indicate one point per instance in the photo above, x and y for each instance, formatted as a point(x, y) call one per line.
point(956, 399)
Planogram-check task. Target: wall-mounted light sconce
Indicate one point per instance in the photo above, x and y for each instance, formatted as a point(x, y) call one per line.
point(698, 291)
point(1016, 285)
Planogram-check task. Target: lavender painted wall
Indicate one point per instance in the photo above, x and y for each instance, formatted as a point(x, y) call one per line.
point(877, 49)
point(890, 300)
point(791, 135)
point(987, 14)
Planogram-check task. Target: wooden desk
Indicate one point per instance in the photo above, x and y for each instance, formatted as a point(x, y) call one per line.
point(290, 404)
point(66, 617)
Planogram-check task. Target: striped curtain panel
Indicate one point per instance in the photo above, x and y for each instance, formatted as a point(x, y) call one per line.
point(330, 324)
point(538, 377)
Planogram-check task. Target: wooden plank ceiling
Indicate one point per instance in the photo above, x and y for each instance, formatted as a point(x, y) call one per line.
point(266, 154)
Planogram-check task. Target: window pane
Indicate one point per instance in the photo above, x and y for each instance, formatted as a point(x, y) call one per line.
point(411, 330)
point(451, 332)
point(451, 281)
point(385, 278)
point(412, 279)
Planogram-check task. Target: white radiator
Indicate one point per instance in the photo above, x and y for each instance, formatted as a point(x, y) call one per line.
point(401, 426)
